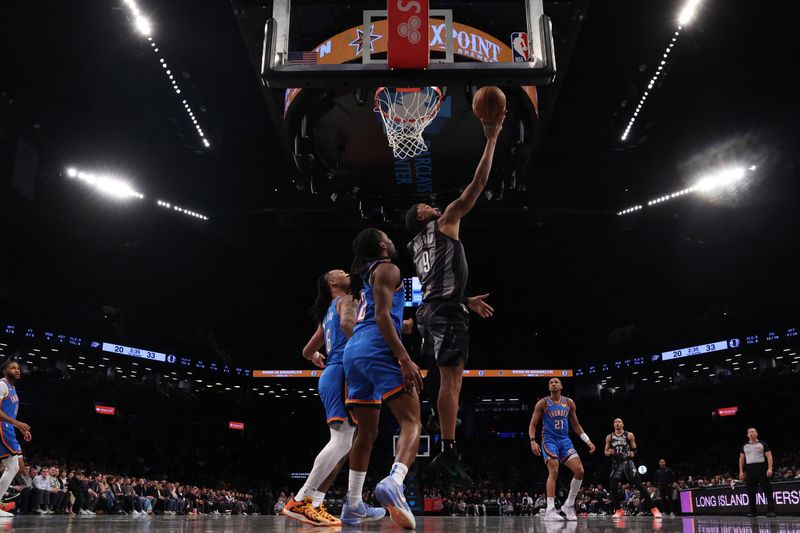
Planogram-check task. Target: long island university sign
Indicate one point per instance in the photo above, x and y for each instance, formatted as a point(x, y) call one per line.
point(727, 500)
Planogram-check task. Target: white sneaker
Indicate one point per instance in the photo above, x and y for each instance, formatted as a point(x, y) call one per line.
point(6, 514)
point(551, 515)
point(569, 512)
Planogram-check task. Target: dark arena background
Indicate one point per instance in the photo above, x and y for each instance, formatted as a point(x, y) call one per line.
point(172, 186)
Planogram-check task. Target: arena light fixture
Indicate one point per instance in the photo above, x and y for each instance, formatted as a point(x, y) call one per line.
point(179, 209)
point(143, 26)
point(707, 183)
point(687, 14)
point(108, 185)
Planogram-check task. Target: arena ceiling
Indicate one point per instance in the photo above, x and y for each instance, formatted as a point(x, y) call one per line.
point(80, 88)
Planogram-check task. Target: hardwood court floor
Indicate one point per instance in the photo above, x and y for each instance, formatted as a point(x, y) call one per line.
point(248, 524)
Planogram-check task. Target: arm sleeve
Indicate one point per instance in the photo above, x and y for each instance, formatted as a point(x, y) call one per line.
point(766, 447)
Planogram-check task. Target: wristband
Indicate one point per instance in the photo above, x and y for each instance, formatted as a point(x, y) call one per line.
point(533, 439)
point(584, 437)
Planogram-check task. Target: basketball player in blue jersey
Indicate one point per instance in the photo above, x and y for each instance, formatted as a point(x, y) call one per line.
point(441, 266)
point(379, 370)
point(10, 450)
point(334, 311)
point(558, 413)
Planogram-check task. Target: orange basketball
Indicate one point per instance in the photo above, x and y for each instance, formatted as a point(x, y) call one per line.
point(489, 104)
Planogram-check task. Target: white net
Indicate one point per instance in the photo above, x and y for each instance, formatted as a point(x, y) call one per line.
point(406, 113)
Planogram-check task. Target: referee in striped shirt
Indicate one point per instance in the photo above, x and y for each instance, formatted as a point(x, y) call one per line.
point(755, 468)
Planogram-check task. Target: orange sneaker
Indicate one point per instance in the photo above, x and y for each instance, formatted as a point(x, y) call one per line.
point(8, 506)
point(303, 512)
point(323, 513)
point(656, 513)
point(620, 513)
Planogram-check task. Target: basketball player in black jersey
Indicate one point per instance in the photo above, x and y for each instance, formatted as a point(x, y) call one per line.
point(442, 318)
point(621, 445)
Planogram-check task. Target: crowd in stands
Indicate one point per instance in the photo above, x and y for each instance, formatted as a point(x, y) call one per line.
point(57, 490)
point(592, 500)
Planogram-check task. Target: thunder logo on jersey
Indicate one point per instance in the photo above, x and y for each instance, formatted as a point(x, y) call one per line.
point(556, 420)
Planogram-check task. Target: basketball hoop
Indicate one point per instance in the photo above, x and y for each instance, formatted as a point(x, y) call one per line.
point(405, 114)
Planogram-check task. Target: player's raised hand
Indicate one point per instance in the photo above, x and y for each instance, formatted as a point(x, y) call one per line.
point(318, 360)
point(479, 306)
point(492, 129)
point(535, 448)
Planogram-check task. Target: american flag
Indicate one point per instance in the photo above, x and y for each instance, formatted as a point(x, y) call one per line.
point(303, 58)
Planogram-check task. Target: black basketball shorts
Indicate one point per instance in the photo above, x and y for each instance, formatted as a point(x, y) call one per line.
point(448, 343)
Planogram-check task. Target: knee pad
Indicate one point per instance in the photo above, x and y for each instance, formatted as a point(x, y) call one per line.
point(342, 438)
point(12, 465)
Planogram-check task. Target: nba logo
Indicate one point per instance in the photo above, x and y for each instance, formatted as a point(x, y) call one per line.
point(519, 47)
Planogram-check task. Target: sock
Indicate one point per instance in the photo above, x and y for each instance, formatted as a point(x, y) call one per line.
point(449, 448)
point(302, 493)
point(574, 485)
point(354, 487)
point(316, 498)
point(398, 473)
point(327, 460)
point(551, 503)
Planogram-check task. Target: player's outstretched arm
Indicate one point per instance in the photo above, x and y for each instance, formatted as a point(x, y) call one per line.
point(386, 280)
point(313, 346)
point(458, 209)
point(576, 426)
point(478, 305)
point(538, 409)
point(346, 307)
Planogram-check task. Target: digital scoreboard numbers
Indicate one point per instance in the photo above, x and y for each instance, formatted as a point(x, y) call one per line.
point(413, 291)
point(134, 352)
point(700, 349)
